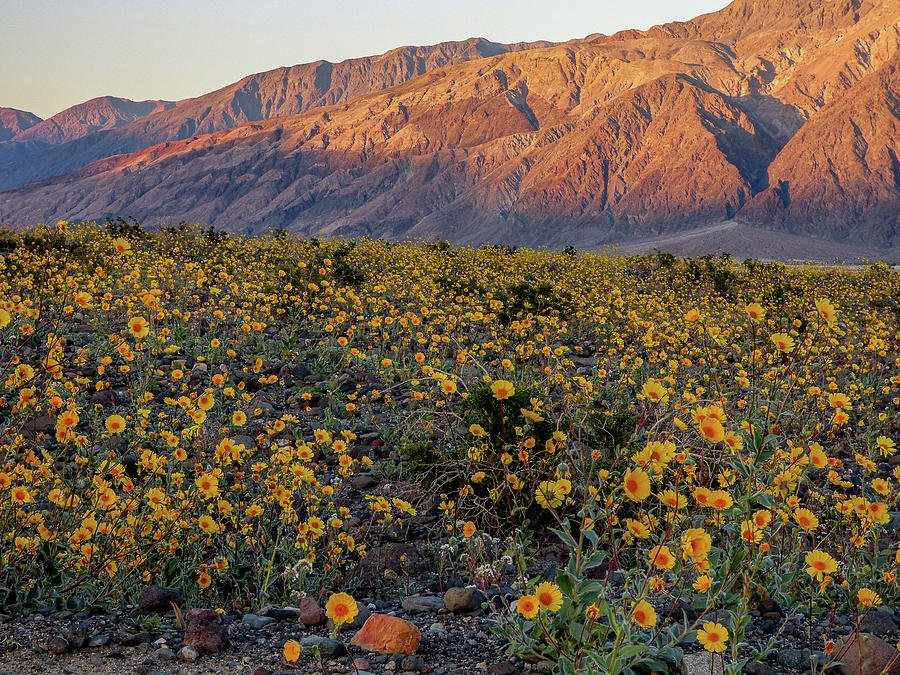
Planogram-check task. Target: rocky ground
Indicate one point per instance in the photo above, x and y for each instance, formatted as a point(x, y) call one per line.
point(454, 640)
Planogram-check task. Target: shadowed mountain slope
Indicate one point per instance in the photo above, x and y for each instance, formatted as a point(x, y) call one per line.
point(274, 93)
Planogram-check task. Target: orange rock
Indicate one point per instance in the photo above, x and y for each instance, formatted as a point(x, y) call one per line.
point(388, 635)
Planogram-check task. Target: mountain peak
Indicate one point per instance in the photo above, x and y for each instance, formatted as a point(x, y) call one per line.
point(96, 114)
point(14, 121)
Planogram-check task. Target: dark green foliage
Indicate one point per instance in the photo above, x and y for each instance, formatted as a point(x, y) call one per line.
point(465, 286)
point(54, 247)
point(344, 272)
point(291, 279)
point(665, 260)
point(613, 430)
point(542, 299)
point(215, 237)
point(438, 246)
point(424, 460)
point(120, 227)
point(500, 418)
point(889, 304)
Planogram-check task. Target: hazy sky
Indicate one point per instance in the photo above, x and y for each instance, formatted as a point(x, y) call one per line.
point(55, 53)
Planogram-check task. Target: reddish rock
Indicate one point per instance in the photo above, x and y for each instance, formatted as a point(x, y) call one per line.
point(311, 613)
point(865, 654)
point(205, 632)
point(388, 635)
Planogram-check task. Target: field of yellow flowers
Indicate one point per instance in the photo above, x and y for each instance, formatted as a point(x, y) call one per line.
point(699, 438)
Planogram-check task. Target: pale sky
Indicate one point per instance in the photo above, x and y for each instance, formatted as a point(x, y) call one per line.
point(56, 53)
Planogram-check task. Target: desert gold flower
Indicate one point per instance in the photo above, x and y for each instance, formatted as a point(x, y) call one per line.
point(637, 484)
point(654, 391)
point(643, 614)
point(819, 563)
point(696, 544)
point(115, 424)
point(502, 389)
point(528, 606)
point(341, 608)
point(139, 327)
point(291, 651)
point(806, 519)
point(661, 557)
point(549, 596)
point(755, 311)
point(868, 598)
point(783, 342)
point(713, 637)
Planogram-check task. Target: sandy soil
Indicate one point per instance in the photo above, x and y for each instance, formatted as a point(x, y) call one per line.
point(743, 241)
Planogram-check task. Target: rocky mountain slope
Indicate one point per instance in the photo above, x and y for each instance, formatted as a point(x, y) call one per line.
point(274, 93)
point(78, 121)
point(781, 117)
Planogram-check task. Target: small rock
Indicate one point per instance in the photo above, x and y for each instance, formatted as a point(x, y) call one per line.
point(422, 603)
point(204, 632)
point(503, 668)
point(105, 398)
point(257, 622)
point(164, 654)
point(414, 663)
point(722, 616)
point(680, 611)
point(794, 658)
point(388, 635)
point(756, 668)
point(158, 599)
point(463, 599)
point(769, 610)
point(280, 614)
point(98, 640)
point(361, 663)
point(878, 621)
point(246, 441)
point(262, 670)
point(327, 647)
point(77, 636)
point(188, 655)
point(58, 645)
point(311, 613)
point(135, 639)
point(363, 481)
point(701, 663)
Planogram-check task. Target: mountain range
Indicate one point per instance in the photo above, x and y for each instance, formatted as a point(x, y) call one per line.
point(783, 117)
